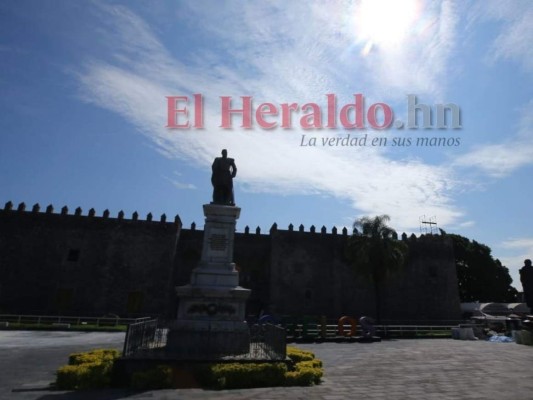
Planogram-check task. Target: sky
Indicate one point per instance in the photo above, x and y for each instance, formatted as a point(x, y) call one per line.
point(84, 112)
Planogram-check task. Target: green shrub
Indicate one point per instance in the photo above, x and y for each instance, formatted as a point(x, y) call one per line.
point(93, 356)
point(88, 370)
point(305, 377)
point(84, 376)
point(156, 378)
point(248, 375)
point(315, 363)
point(297, 355)
point(67, 377)
point(307, 369)
point(93, 369)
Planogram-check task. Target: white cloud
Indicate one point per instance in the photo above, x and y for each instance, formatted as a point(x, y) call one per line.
point(515, 251)
point(420, 64)
point(501, 159)
point(180, 185)
point(516, 32)
point(292, 53)
point(177, 182)
point(519, 243)
point(462, 225)
point(308, 50)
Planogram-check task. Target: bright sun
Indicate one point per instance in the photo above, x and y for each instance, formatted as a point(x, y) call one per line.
point(385, 23)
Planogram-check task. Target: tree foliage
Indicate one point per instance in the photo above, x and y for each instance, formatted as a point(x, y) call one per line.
point(481, 277)
point(375, 251)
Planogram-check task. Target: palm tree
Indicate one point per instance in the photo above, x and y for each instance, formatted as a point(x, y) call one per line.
point(375, 251)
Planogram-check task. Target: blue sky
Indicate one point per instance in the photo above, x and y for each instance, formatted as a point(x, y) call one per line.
point(83, 111)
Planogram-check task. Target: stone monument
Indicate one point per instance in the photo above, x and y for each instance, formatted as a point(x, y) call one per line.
point(211, 310)
point(223, 172)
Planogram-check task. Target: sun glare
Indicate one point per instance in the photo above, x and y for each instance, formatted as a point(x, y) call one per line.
point(385, 23)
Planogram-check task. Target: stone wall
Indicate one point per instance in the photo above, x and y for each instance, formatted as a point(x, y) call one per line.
point(306, 273)
point(310, 275)
point(84, 264)
point(65, 263)
point(427, 288)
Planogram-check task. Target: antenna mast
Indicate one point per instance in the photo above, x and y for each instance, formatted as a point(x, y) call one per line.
point(428, 225)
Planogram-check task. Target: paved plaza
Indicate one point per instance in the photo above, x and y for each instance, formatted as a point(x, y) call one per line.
point(392, 369)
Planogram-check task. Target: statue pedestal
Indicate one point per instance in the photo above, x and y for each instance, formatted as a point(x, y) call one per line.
point(211, 310)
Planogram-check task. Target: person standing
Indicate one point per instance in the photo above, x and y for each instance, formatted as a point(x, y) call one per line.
point(526, 277)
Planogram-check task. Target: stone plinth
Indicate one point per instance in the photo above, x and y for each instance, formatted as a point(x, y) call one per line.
point(210, 320)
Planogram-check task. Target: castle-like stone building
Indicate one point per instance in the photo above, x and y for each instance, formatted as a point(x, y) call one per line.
point(73, 264)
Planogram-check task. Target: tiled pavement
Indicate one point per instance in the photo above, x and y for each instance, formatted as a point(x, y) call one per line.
point(397, 369)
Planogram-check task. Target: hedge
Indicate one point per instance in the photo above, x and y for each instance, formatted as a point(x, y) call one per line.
point(89, 370)
point(159, 377)
point(249, 375)
point(93, 369)
point(297, 355)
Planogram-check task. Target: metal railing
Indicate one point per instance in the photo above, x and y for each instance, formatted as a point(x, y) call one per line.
point(318, 328)
point(317, 331)
point(73, 320)
point(142, 336)
point(267, 342)
point(148, 339)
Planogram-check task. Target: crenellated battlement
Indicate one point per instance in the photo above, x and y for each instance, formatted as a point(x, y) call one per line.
point(323, 232)
point(91, 214)
point(301, 229)
point(274, 228)
point(106, 215)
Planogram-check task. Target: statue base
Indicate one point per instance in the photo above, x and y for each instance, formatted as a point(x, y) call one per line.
point(210, 321)
point(207, 339)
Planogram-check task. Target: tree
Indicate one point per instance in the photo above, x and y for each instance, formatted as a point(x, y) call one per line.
point(481, 277)
point(375, 251)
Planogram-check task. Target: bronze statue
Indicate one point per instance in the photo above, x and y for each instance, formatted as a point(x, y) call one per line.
point(224, 170)
point(526, 277)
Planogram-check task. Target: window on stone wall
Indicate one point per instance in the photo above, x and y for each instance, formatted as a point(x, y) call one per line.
point(73, 255)
point(135, 302)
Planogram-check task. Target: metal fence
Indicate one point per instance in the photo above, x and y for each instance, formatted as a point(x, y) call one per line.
point(143, 336)
point(267, 342)
point(148, 339)
point(40, 320)
point(317, 331)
